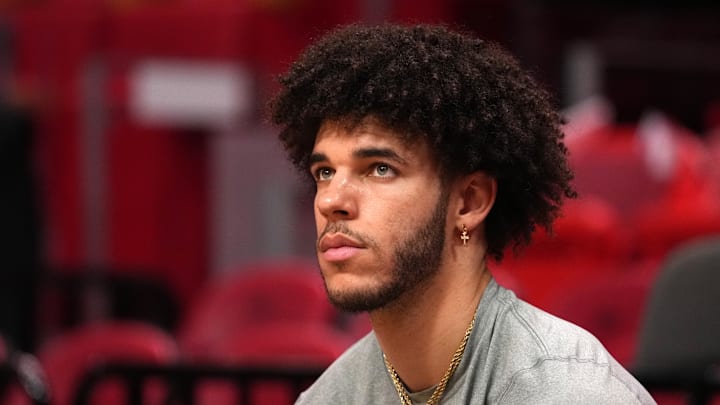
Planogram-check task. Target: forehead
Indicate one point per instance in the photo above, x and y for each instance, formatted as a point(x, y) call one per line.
point(370, 133)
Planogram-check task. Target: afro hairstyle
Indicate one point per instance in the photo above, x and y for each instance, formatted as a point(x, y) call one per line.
point(468, 98)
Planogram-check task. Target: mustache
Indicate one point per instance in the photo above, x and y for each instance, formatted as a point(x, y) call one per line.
point(343, 228)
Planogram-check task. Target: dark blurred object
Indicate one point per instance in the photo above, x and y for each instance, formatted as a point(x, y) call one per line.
point(189, 377)
point(679, 346)
point(15, 4)
point(19, 228)
point(662, 55)
point(71, 297)
point(648, 5)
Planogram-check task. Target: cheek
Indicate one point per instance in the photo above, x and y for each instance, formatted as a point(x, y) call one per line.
point(398, 216)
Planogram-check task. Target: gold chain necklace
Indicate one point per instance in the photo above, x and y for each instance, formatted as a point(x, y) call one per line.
point(440, 389)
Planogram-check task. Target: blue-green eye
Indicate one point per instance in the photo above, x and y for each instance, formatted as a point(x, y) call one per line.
point(382, 170)
point(324, 173)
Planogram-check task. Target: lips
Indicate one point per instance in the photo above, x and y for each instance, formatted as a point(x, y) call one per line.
point(338, 247)
point(337, 241)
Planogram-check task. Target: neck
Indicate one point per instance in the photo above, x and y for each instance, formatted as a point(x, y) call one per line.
point(422, 330)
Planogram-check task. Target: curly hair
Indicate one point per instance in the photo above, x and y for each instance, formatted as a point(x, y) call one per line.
point(468, 98)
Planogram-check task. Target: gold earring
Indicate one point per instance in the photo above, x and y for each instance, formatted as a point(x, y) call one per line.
point(464, 235)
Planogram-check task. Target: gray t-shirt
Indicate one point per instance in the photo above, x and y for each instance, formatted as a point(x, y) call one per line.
point(517, 354)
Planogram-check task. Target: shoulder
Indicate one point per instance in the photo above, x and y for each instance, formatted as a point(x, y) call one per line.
point(573, 380)
point(524, 334)
point(554, 361)
point(357, 367)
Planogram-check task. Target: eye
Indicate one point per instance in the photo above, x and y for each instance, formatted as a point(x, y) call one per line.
point(323, 174)
point(382, 170)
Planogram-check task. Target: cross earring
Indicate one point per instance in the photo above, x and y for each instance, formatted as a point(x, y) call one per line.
point(464, 235)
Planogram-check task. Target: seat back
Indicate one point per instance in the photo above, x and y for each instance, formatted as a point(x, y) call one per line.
point(292, 343)
point(681, 328)
point(609, 164)
point(283, 344)
point(67, 357)
point(588, 240)
point(253, 294)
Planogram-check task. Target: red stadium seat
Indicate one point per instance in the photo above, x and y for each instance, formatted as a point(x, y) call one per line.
point(673, 222)
point(289, 343)
point(280, 344)
point(254, 294)
point(587, 240)
point(690, 209)
point(67, 357)
point(609, 164)
point(713, 146)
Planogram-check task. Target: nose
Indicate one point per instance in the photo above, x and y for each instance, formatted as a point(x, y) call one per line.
point(337, 200)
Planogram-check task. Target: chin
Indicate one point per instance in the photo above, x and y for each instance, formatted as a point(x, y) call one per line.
point(351, 293)
point(341, 283)
point(353, 301)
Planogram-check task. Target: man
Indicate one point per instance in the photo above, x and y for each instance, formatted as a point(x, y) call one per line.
point(431, 152)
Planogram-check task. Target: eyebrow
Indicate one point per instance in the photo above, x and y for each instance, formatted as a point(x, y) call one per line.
point(362, 153)
point(317, 158)
point(378, 152)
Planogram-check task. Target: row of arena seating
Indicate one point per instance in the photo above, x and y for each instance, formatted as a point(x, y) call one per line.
point(258, 335)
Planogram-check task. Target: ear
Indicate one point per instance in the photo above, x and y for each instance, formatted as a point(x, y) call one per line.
point(474, 195)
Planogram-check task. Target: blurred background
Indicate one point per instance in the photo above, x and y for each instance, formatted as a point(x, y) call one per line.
point(138, 174)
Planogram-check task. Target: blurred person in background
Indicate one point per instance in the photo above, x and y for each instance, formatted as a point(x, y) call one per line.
point(432, 152)
point(19, 214)
point(19, 228)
